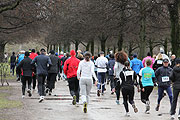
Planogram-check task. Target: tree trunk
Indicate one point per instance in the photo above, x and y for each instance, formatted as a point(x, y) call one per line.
point(50, 47)
point(92, 47)
point(103, 40)
point(114, 50)
point(76, 45)
point(68, 47)
point(2, 48)
point(142, 31)
point(165, 45)
point(65, 46)
point(174, 18)
point(87, 47)
point(151, 46)
point(120, 42)
point(47, 48)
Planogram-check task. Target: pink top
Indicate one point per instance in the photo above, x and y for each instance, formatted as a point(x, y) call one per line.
point(148, 57)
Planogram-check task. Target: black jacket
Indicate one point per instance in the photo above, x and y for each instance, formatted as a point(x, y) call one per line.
point(157, 64)
point(55, 67)
point(128, 78)
point(42, 61)
point(110, 65)
point(13, 59)
point(175, 77)
point(163, 72)
point(26, 66)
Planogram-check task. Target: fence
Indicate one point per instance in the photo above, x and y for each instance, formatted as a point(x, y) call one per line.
point(4, 72)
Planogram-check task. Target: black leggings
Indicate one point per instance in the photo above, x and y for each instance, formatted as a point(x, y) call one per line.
point(145, 95)
point(51, 81)
point(117, 88)
point(127, 95)
point(23, 80)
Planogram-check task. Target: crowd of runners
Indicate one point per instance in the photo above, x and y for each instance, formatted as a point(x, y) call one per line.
point(82, 70)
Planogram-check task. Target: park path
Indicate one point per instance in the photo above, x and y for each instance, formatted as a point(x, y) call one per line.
point(59, 107)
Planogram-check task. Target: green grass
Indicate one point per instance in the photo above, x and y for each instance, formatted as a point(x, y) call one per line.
point(5, 103)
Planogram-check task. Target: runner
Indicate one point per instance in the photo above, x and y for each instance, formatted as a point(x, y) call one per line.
point(26, 67)
point(70, 69)
point(173, 59)
point(32, 56)
point(111, 64)
point(84, 74)
point(19, 59)
point(175, 78)
point(158, 62)
point(148, 57)
point(162, 75)
point(101, 64)
point(121, 58)
point(12, 63)
point(42, 61)
point(128, 78)
point(52, 72)
point(147, 84)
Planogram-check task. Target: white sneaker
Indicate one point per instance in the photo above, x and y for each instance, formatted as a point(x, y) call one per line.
point(23, 96)
point(172, 117)
point(41, 99)
point(178, 117)
point(127, 114)
point(147, 112)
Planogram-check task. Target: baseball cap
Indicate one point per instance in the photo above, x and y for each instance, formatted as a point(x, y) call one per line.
point(165, 60)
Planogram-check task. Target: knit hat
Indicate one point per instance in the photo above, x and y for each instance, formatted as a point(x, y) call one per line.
point(177, 60)
point(72, 53)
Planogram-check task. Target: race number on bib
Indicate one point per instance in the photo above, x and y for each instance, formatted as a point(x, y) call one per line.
point(165, 79)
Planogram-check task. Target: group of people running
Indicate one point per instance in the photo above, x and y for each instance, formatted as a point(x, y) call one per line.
point(124, 74)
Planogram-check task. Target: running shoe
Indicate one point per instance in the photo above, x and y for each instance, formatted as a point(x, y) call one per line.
point(98, 93)
point(173, 117)
point(29, 93)
point(127, 114)
point(23, 96)
point(117, 102)
point(85, 107)
point(157, 107)
point(74, 100)
point(135, 108)
point(41, 99)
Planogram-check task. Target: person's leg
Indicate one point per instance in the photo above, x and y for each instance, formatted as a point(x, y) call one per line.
point(29, 85)
point(99, 81)
point(103, 80)
point(131, 100)
point(160, 94)
point(71, 86)
point(111, 82)
point(118, 87)
point(125, 98)
point(43, 85)
point(148, 90)
point(48, 81)
point(40, 83)
point(77, 89)
point(23, 81)
point(88, 88)
point(34, 81)
point(174, 102)
point(83, 90)
point(169, 92)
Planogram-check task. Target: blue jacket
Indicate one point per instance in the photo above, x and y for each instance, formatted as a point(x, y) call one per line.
point(20, 58)
point(110, 65)
point(136, 65)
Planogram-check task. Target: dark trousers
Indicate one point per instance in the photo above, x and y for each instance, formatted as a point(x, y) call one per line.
point(112, 81)
point(41, 85)
point(12, 68)
point(74, 87)
point(23, 80)
point(127, 95)
point(161, 92)
point(51, 81)
point(174, 102)
point(145, 95)
point(34, 81)
point(101, 81)
point(117, 88)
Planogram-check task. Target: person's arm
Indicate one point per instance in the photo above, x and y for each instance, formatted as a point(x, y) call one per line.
point(65, 67)
point(140, 78)
point(122, 77)
point(115, 68)
point(49, 61)
point(20, 65)
point(79, 71)
point(92, 71)
point(172, 76)
point(34, 61)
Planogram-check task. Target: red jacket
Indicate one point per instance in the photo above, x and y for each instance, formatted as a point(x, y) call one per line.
point(33, 55)
point(71, 67)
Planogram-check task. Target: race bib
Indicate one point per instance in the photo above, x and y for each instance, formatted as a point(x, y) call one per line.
point(165, 79)
point(159, 62)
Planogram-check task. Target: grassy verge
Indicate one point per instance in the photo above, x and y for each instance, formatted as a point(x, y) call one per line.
point(5, 103)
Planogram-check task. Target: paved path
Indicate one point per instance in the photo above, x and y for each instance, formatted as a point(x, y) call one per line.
point(59, 107)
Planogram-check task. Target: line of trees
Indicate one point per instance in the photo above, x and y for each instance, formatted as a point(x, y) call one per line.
point(131, 25)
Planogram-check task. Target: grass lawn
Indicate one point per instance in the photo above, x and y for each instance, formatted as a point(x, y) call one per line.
point(5, 103)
